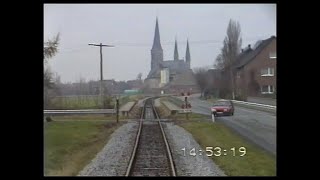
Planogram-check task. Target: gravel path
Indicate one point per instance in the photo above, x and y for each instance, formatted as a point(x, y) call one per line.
point(113, 159)
point(199, 165)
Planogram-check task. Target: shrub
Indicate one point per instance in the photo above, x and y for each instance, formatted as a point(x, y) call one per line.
point(108, 102)
point(48, 119)
point(241, 97)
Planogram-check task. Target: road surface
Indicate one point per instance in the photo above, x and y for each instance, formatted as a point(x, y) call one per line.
point(257, 126)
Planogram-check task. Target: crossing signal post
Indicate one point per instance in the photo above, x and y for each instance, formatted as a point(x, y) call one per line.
point(186, 106)
point(186, 101)
point(117, 108)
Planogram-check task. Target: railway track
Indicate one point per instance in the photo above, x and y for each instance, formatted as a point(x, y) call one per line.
point(151, 155)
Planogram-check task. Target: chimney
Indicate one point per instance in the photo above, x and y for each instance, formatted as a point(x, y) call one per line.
point(249, 46)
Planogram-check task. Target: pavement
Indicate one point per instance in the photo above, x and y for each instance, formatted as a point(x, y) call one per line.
point(127, 107)
point(256, 126)
point(260, 100)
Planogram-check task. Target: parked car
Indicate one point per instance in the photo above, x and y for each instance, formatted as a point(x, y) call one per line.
point(222, 107)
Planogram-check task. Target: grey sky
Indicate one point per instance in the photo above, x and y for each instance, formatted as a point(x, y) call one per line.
point(130, 28)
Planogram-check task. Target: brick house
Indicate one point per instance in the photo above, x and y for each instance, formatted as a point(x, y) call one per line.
point(256, 69)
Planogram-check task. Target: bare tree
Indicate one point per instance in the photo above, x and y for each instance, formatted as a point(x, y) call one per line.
point(51, 47)
point(139, 76)
point(201, 77)
point(49, 50)
point(219, 64)
point(57, 78)
point(47, 85)
point(229, 52)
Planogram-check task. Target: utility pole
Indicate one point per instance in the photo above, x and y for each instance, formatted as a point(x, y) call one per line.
point(101, 71)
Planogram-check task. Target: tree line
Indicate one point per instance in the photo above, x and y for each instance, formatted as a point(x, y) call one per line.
point(220, 80)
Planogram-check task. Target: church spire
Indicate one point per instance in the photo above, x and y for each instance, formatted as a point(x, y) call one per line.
point(156, 40)
point(156, 51)
point(176, 54)
point(188, 58)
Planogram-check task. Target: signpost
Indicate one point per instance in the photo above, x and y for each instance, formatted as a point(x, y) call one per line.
point(186, 106)
point(213, 116)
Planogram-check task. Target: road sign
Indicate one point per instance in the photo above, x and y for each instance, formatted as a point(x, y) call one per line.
point(187, 110)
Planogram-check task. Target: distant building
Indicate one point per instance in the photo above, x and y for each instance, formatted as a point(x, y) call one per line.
point(164, 77)
point(178, 75)
point(135, 84)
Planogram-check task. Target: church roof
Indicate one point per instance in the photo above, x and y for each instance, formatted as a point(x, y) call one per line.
point(175, 66)
point(156, 40)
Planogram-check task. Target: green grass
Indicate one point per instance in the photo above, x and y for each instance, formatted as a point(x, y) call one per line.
point(256, 162)
point(87, 118)
point(70, 145)
point(191, 116)
point(136, 97)
point(88, 102)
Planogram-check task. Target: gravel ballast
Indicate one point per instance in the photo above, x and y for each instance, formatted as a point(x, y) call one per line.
point(114, 158)
point(199, 165)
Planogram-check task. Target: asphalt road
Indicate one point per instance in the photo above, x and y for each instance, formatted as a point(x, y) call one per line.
point(257, 126)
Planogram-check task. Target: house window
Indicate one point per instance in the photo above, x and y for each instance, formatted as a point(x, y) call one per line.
point(267, 72)
point(267, 89)
point(273, 55)
point(238, 75)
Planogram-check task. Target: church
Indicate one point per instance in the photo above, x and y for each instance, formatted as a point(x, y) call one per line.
point(171, 76)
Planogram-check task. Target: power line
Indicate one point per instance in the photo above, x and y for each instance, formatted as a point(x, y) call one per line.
point(130, 44)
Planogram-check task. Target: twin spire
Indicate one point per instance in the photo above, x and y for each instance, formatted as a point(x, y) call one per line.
point(176, 54)
point(157, 45)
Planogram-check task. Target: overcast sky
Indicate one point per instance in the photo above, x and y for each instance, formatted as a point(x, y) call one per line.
point(130, 28)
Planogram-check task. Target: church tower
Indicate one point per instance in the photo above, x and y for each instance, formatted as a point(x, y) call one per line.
point(156, 51)
point(176, 54)
point(188, 58)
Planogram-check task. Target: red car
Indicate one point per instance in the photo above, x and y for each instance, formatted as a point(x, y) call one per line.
point(222, 107)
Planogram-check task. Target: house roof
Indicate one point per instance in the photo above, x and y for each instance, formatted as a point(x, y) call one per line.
point(249, 54)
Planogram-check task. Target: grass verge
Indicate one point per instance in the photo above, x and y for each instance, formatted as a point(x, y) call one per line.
point(99, 117)
point(88, 102)
point(256, 162)
point(191, 116)
point(212, 100)
point(70, 145)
